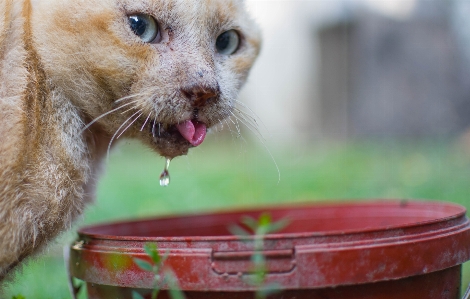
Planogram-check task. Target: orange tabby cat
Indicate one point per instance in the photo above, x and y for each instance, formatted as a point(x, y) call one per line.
point(75, 75)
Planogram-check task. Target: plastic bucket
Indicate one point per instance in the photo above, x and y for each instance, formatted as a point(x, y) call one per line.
point(375, 249)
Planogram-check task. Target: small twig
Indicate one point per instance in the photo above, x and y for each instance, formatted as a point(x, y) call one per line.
point(259, 228)
point(467, 293)
point(160, 274)
point(73, 289)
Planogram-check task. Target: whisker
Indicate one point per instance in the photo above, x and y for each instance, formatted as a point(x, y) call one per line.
point(248, 119)
point(239, 132)
point(133, 96)
point(145, 122)
point(229, 129)
point(254, 115)
point(219, 127)
point(247, 116)
point(239, 136)
point(274, 161)
point(237, 126)
point(138, 116)
point(104, 114)
point(112, 139)
point(133, 107)
point(254, 130)
point(251, 114)
point(263, 142)
point(153, 126)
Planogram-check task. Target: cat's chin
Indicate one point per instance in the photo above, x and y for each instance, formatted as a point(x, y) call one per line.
point(175, 140)
point(171, 146)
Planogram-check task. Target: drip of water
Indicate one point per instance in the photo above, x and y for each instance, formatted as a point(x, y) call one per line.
point(165, 176)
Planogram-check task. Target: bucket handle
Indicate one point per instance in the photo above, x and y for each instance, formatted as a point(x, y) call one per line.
point(226, 263)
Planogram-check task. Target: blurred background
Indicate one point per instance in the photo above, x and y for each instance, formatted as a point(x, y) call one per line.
point(345, 69)
point(352, 99)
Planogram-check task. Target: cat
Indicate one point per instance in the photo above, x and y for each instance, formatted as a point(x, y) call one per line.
point(75, 75)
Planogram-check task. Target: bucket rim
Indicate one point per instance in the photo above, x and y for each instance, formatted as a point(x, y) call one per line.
point(88, 231)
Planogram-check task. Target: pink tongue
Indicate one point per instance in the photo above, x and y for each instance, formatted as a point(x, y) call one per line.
point(193, 131)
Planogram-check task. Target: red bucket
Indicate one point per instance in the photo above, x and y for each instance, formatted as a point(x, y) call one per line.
point(378, 249)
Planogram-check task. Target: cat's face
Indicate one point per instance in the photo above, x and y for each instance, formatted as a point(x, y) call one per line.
point(170, 68)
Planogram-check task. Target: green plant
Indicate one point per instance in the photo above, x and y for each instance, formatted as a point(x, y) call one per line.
point(162, 274)
point(18, 297)
point(259, 228)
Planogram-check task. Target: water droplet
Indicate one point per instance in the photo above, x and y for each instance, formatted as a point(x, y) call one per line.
point(165, 176)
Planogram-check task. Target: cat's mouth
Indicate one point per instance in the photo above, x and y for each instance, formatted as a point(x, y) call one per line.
point(175, 140)
point(193, 131)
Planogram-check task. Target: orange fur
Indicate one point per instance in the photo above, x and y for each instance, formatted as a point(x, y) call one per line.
point(66, 63)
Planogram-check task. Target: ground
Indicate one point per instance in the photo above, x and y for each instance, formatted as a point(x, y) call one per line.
point(228, 172)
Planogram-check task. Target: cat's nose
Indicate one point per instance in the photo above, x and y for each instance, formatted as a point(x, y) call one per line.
point(199, 95)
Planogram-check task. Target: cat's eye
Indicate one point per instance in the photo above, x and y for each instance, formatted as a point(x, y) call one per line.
point(144, 26)
point(227, 43)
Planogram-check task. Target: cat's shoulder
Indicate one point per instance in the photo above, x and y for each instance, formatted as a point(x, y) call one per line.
point(13, 80)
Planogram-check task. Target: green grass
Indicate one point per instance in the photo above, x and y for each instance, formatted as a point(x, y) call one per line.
point(227, 174)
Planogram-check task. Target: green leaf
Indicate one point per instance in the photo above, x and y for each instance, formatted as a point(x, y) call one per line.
point(18, 297)
point(174, 289)
point(77, 284)
point(267, 290)
point(152, 250)
point(270, 289)
point(238, 231)
point(258, 258)
point(176, 294)
point(250, 222)
point(155, 293)
point(259, 276)
point(144, 265)
point(164, 257)
point(278, 225)
point(136, 295)
point(265, 219)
